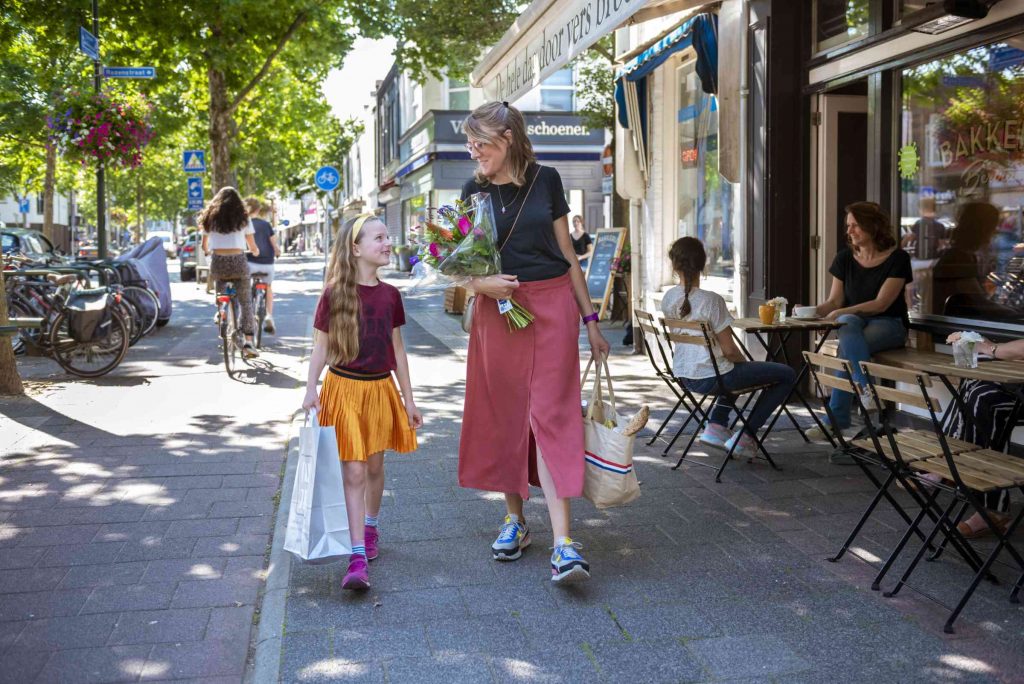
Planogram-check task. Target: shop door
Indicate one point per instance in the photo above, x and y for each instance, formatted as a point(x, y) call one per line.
point(841, 160)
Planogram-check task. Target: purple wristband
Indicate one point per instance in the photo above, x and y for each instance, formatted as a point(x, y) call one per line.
point(591, 317)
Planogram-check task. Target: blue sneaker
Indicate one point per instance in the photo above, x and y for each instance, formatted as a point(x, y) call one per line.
point(746, 448)
point(512, 539)
point(714, 435)
point(567, 565)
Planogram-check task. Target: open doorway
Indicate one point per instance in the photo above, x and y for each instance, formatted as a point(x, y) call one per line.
point(840, 160)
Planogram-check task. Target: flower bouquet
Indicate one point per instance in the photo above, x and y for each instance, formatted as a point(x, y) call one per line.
point(101, 128)
point(464, 244)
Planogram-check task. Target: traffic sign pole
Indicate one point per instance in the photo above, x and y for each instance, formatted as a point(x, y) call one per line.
point(101, 186)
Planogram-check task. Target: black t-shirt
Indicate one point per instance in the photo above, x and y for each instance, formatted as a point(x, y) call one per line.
point(580, 246)
point(928, 236)
point(532, 251)
point(863, 284)
point(264, 232)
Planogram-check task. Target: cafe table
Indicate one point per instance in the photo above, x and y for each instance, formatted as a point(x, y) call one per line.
point(773, 337)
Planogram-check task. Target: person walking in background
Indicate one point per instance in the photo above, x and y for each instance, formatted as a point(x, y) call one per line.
point(927, 237)
point(522, 423)
point(358, 335)
point(868, 297)
point(582, 243)
point(269, 251)
point(692, 363)
point(227, 233)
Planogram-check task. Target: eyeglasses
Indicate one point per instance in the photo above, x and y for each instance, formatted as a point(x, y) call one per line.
point(478, 146)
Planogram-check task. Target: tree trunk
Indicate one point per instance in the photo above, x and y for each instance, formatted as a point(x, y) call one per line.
point(48, 183)
point(10, 381)
point(220, 130)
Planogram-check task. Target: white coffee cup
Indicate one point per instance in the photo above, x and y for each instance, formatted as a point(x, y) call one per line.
point(805, 311)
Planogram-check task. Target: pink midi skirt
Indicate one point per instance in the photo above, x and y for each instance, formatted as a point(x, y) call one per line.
point(523, 394)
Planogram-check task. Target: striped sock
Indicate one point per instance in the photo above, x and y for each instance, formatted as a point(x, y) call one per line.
point(359, 550)
point(371, 520)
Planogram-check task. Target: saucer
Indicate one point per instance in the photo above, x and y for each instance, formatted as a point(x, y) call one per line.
point(806, 318)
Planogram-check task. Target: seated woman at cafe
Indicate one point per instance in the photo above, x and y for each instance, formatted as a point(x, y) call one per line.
point(693, 364)
point(990, 407)
point(868, 297)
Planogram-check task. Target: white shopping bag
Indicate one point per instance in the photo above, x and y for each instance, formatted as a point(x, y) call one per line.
point(609, 478)
point(318, 518)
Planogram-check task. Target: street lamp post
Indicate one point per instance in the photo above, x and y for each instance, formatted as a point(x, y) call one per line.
point(101, 201)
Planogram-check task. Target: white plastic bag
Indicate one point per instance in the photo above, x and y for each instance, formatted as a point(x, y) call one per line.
point(318, 518)
point(609, 478)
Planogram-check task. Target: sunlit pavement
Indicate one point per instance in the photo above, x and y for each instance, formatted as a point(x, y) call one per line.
point(136, 513)
point(136, 509)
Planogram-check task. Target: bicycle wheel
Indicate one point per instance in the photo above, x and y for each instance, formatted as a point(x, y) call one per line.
point(147, 304)
point(227, 337)
point(89, 359)
point(133, 318)
point(18, 339)
point(260, 307)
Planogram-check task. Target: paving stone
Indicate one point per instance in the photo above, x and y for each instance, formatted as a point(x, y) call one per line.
point(307, 657)
point(747, 656)
point(638, 661)
point(22, 666)
point(379, 643)
point(234, 545)
point(207, 658)
point(664, 622)
point(209, 593)
point(57, 536)
point(31, 579)
point(230, 623)
point(174, 570)
point(440, 669)
point(111, 664)
point(78, 516)
point(476, 635)
point(30, 605)
point(80, 554)
point(20, 557)
point(216, 527)
point(575, 625)
point(159, 626)
point(131, 532)
point(191, 510)
point(416, 606)
point(157, 549)
point(75, 631)
point(131, 597)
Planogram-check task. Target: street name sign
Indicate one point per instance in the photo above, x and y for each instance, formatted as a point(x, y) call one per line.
point(194, 161)
point(129, 72)
point(327, 178)
point(89, 44)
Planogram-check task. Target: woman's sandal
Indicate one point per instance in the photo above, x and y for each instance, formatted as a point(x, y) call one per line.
point(975, 526)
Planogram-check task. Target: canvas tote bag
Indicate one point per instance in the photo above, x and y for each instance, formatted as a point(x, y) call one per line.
point(318, 518)
point(609, 478)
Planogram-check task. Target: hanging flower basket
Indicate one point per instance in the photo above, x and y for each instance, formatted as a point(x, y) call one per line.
point(106, 128)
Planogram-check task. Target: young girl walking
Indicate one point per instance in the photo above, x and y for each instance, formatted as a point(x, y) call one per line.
point(357, 322)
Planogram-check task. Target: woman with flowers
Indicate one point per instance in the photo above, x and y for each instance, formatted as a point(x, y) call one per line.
point(522, 423)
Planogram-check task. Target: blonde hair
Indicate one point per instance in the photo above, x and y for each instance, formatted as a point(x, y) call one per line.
point(488, 123)
point(343, 295)
point(254, 206)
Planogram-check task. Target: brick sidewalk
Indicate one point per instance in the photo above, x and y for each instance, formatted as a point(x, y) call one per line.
point(695, 581)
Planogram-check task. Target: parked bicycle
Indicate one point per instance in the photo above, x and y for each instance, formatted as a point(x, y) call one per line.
point(83, 330)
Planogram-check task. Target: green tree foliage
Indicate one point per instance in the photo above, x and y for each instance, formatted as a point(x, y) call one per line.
point(595, 87)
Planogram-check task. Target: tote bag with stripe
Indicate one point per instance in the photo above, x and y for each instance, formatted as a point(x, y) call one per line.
point(609, 478)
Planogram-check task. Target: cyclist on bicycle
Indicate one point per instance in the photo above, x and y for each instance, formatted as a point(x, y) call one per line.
point(264, 261)
point(227, 232)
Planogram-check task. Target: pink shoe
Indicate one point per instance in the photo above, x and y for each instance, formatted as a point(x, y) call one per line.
point(357, 576)
point(370, 536)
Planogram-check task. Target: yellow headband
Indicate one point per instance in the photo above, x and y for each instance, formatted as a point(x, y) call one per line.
point(358, 225)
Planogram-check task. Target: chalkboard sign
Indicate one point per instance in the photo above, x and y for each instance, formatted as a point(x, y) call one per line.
point(607, 245)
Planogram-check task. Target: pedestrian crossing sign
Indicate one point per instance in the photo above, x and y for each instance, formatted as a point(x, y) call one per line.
point(194, 161)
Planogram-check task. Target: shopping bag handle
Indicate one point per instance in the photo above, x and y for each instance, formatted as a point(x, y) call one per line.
point(311, 419)
point(596, 395)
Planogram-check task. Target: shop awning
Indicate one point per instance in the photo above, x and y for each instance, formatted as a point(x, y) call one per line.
point(700, 32)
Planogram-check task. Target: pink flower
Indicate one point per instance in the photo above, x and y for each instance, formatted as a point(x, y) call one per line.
point(435, 249)
point(465, 225)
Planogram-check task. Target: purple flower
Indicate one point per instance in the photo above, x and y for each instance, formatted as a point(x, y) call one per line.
point(413, 260)
point(478, 234)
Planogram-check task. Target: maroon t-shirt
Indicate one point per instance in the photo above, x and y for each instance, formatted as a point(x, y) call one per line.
point(381, 312)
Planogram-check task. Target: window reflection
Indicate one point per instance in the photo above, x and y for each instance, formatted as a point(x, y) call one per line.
point(705, 198)
point(961, 165)
point(839, 21)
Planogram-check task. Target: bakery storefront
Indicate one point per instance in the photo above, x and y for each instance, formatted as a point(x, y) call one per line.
point(929, 123)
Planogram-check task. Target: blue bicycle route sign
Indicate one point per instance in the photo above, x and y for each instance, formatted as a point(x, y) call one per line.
point(195, 193)
point(327, 178)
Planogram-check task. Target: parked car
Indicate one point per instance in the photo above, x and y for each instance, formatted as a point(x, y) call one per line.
point(167, 237)
point(88, 250)
point(29, 243)
point(187, 256)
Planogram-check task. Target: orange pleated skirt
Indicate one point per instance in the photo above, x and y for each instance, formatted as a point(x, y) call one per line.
point(367, 415)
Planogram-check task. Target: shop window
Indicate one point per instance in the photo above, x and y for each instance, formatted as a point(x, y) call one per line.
point(837, 22)
point(458, 94)
point(704, 197)
point(556, 92)
point(414, 214)
point(961, 168)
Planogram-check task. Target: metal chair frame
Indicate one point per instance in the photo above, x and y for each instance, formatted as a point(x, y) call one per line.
point(648, 326)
